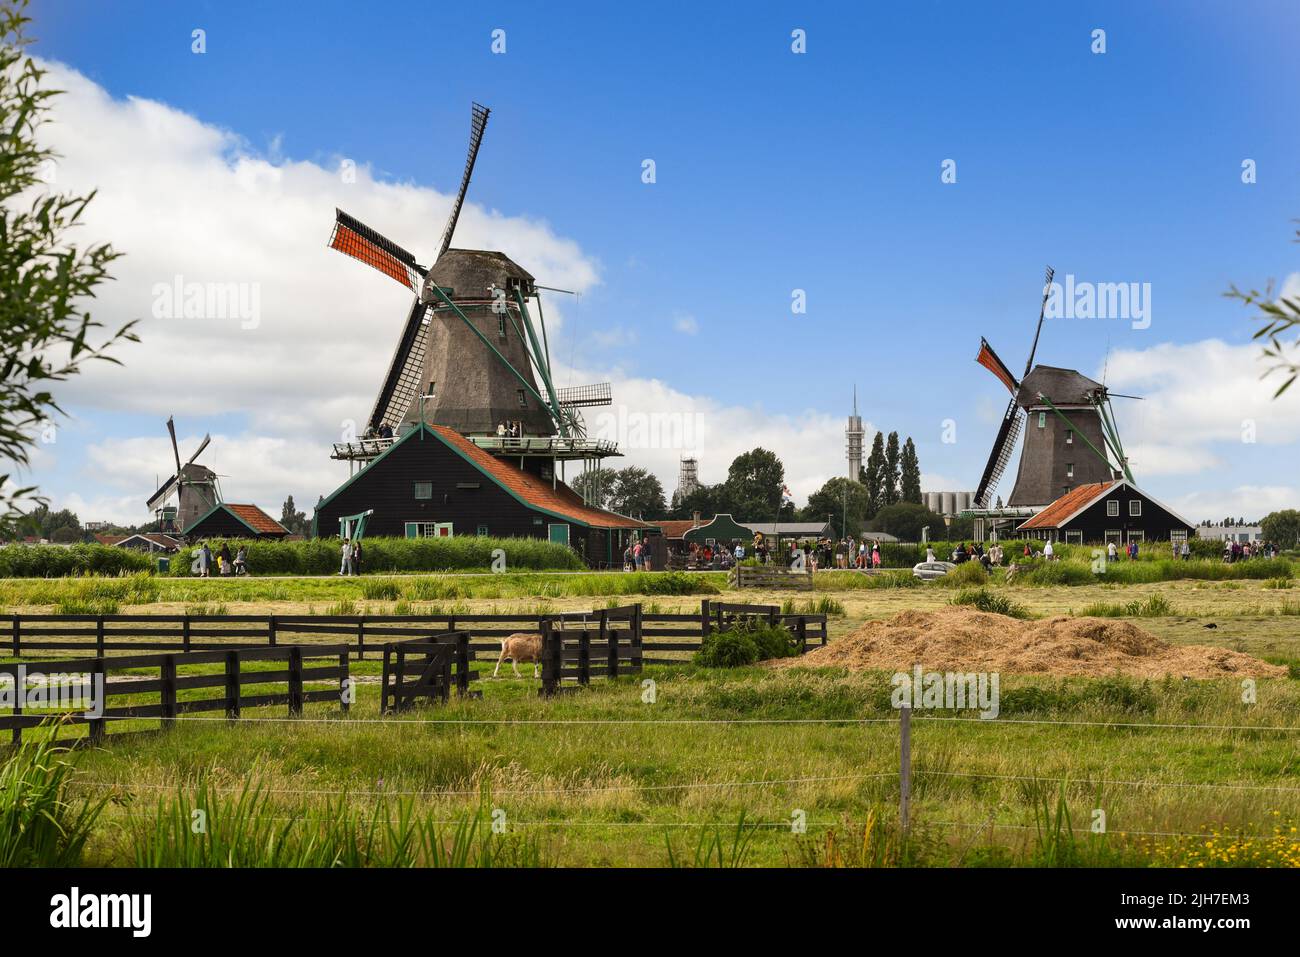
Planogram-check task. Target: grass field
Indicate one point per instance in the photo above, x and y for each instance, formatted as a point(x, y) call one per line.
point(714, 771)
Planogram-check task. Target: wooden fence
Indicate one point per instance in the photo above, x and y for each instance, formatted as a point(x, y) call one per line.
point(577, 649)
point(107, 678)
point(115, 634)
point(771, 576)
point(434, 664)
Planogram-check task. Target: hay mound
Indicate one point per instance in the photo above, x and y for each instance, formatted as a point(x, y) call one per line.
point(960, 639)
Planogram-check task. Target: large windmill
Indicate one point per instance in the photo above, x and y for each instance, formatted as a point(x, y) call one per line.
point(1071, 439)
point(193, 486)
point(469, 355)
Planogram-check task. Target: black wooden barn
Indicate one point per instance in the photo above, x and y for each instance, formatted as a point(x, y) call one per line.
point(433, 481)
point(1103, 512)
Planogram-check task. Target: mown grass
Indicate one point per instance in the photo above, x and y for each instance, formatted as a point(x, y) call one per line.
point(609, 778)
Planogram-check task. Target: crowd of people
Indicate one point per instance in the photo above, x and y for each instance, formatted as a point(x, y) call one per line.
point(224, 562)
point(351, 554)
point(1240, 551)
point(637, 556)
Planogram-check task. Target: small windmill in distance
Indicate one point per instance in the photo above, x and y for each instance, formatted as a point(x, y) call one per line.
point(193, 486)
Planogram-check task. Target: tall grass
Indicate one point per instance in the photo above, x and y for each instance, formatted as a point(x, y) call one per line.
point(1155, 606)
point(984, 599)
point(40, 825)
point(206, 828)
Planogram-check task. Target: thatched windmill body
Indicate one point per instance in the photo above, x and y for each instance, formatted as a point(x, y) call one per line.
point(189, 494)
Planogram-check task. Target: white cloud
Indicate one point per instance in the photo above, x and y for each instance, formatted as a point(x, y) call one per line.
point(686, 325)
point(1251, 502)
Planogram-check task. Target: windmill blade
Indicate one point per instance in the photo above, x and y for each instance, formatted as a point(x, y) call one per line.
point(478, 123)
point(989, 360)
point(171, 430)
point(1003, 446)
point(576, 396)
point(402, 384)
point(202, 445)
point(160, 496)
point(354, 238)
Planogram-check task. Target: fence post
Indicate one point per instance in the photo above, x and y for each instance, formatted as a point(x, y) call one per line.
point(905, 768)
point(802, 633)
point(232, 684)
point(637, 625)
point(18, 635)
point(550, 660)
point(399, 653)
point(705, 617)
point(344, 683)
point(99, 637)
point(462, 663)
point(167, 672)
point(611, 645)
point(584, 657)
point(361, 639)
point(385, 674)
point(185, 632)
point(270, 630)
point(99, 682)
point(295, 682)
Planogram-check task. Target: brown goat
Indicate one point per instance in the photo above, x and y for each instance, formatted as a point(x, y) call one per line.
point(518, 647)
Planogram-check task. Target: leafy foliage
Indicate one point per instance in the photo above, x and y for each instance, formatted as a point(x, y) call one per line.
point(1277, 318)
point(45, 335)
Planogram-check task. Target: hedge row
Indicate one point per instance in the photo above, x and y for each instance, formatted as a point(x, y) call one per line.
point(322, 556)
point(57, 561)
point(897, 555)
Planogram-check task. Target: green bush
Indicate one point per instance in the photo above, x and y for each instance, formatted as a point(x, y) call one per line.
point(984, 599)
point(727, 649)
point(321, 556)
point(56, 561)
point(967, 573)
point(745, 645)
point(41, 825)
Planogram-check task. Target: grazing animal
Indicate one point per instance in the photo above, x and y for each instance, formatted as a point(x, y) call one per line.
point(518, 647)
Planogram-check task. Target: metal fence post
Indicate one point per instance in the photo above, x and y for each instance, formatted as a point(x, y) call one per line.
point(905, 767)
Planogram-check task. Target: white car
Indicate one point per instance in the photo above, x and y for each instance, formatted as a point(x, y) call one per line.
point(928, 571)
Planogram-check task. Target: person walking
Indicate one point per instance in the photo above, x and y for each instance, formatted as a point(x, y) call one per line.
point(1048, 552)
point(346, 553)
point(356, 557)
point(646, 557)
point(227, 562)
point(241, 560)
point(1186, 550)
point(205, 560)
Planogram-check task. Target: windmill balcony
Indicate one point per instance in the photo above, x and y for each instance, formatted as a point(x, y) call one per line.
point(551, 447)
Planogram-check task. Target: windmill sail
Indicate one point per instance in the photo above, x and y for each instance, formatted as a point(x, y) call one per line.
point(989, 360)
point(1003, 447)
point(354, 238)
point(402, 383)
point(478, 123)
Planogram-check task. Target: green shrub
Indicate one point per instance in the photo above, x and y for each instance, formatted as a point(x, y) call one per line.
point(320, 556)
point(1156, 606)
point(1057, 573)
point(967, 573)
point(1278, 583)
point(675, 583)
point(55, 561)
point(987, 600)
point(381, 589)
point(727, 649)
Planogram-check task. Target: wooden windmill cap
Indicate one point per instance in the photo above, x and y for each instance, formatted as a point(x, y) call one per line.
point(1064, 387)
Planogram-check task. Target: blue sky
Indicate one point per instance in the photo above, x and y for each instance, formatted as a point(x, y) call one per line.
point(778, 171)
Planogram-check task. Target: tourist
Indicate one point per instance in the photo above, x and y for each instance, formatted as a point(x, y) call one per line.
point(385, 430)
point(356, 557)
point(636, 555)
point(740, 552)
point(1112, 553)
point(241, 560)
point(1186, 550)
point(1048, 552)
point(203, 560)
point(645, 553)
point(225, 561)
point(346, 556)
point(929, 553)
point(875, 555)
point(627, 557)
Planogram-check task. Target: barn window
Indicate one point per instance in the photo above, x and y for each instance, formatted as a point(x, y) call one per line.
point(1114, 535)
point(1178, 535)
point(1073, 537)
point(1135, 508)
point(1069, 436)
point(482, 531)
point(1069, 470)
point(424, 490)
point(1137, 536)
point(523, 399)
point(1112, 509)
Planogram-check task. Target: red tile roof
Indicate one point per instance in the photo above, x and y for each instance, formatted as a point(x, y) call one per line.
point(677, 528)
point(1065, 506)
point(257, 519)
point(531, 489)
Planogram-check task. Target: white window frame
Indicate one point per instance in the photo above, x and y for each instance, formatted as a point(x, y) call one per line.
point(428, 529)
point(1135, 508)
point(1137, 535)
point(1069, 470)
point(1178, 535)
point(1073, 537)
point(415, 491)
point(1115, 535)
point(1112, 508)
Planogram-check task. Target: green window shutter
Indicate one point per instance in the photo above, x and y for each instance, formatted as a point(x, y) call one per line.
point(412, 530)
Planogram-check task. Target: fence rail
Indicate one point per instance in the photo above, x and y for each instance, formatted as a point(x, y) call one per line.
point(435, 664)
point(771, 576)
point(100, 680)
point(103, 635)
